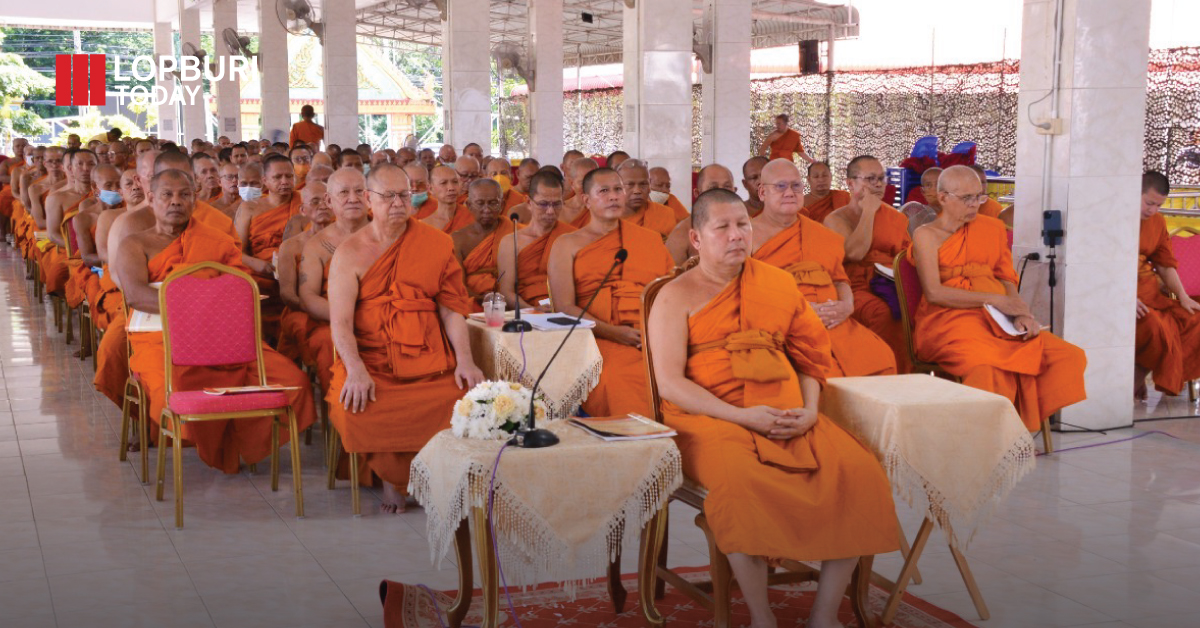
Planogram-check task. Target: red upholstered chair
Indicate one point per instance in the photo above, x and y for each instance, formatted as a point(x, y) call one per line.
point(908, 287)
point(216, 322)
point(1187, 253)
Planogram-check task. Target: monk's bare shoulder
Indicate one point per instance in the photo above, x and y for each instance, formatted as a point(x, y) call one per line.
point(839, 221)
point(570, 243)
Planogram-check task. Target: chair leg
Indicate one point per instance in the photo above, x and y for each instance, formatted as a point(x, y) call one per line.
point(660, 585)
point(125, 427)
point(297, 483)
point(275, 454)
point(616, 590)
point(177, 450)
point(162, 461)
point(1047, 442)
point(144, 433)
point(354, 497)
point(860, 592)
point(67, 321)
point(331, 458)
point(722, 577)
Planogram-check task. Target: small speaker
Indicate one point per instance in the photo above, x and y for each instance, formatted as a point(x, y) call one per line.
point(810, 56)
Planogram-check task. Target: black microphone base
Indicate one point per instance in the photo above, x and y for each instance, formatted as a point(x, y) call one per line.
point(533, 439)
point(514, 326)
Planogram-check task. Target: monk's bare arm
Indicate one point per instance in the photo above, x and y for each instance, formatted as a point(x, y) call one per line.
point(859, 236)
point(287, 274)
point(36, 210)
point(560, 276)
point(54, 214)
point(294, 226)
point(22, 190)
point(104, 225)
point(241, 224)
point(83, 236)
point(466, 373)
point(679, 243)
point(925, 248)
point(1171, 280)
point(507, 284)
point(130, 264)
point(668, 331)
point(359, 388)
point(309, 282)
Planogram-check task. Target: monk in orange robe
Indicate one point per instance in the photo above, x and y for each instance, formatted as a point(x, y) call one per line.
point(500, 170)
point(449, 215)
point(740, 359)
point(260, 225)
point(964, 265)
point(60, 207)
point(822, 199)
point(33, 219)
point(7, 169)
point(579, 262)
point(660, 192)
point(525, 171)
point(306, 130)
point(176, 242)
point(523, 282)
point(1168, 328)
point(423, 202)
point(875, 233)
point(397, 308)
point(639, 209)
point(208, 178)
point(294, 324)
point(813, 254)
point(33, 172)
point(575, 211)
point(712, 176)
point(477, 244)
point(990, 207)
point(80, 231)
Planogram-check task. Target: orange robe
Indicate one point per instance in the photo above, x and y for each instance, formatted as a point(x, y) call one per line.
point(655, 217)
point(405, 350)
point(461, 218)
point(6, 193)
point(582, 219)
point(512, 198)
point(889, 238)
point(220, 444)
point(112, 354)
point(819, 496)
point(676, 206)
point(481, 264)
point(81, 280)
point(319, 340)
point(1168, 336)
point(214, 218)
point(266, 229)
point(622, 388)
point(991, 208)
point(813, 255)
point(1040, 376)
point(55, 270)
point(820, 209)
point(308, 132)
point(533, 263)
point(427, 209)
point(293, 327)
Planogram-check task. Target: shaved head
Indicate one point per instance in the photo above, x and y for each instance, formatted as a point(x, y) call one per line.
point(172, 159)
point(959, 180)
point(318, 173)
point(778, 168)
point(715, 176)
point(312, 190)
point(705, 203)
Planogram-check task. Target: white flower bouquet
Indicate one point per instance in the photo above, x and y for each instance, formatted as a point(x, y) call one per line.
point(494, 411)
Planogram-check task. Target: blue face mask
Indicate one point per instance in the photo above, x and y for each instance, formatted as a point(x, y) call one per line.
point(366, 170)
point(419, 198)
point(110, 197)
point(250, 193)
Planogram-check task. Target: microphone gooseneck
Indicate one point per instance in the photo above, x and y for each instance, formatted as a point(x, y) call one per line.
point(533, 437)
point(516, 324)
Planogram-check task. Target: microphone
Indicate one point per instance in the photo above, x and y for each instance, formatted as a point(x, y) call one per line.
point(534, 438)
point(516, 324)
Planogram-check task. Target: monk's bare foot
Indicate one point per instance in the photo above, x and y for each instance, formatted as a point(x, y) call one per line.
point(1139, 383)
point(393, 501)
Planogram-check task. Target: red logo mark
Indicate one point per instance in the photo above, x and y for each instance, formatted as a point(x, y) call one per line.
point(79, 80)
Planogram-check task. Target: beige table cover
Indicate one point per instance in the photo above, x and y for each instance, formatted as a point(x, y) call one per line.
point(574, 374)
point(561, 513)
point(951, 449)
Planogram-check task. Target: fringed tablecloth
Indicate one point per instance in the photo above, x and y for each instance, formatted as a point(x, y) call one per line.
point(560, 513)
point(951, 449)
point(509, 357)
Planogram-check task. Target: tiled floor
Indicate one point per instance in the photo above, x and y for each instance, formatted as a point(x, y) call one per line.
point(1105, 536)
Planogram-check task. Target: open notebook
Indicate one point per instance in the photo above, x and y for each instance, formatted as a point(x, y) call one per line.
point(632, 427)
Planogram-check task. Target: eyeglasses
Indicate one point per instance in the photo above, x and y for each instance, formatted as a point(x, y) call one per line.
point(872, 179)
point(390, 197)
point(797, 187)
point(548, 205)
point(970, 199)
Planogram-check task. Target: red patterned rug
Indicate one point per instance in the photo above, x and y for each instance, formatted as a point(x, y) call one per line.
point(410, 606)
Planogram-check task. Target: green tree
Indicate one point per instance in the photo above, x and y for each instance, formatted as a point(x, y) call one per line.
point(18, 82)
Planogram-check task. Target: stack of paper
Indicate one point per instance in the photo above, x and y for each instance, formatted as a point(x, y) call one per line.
point(632, 427)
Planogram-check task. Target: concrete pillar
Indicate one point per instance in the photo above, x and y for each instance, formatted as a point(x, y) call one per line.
point(229, 97)
point(1094, 176)
point(466, 74)
point(195, 101)
point(725, 110)
point(546, 98)
point(658, 86)
point(272, 47)
point(341, 73)
point(168, 114)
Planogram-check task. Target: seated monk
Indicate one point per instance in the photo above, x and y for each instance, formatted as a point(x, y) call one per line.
point(55, 163)
point(991, 207)
point(751, 172)
point(822, 199)
point(423, 204)
point(523, 281)
point(575, 211)
point(293, 325)
point(468, 168)
point(741, 385)
point(62, 205)
point(397, 309)
point(318, 172)
point(260, 222)
point(450, 215)
point(204, 212)
point(639, 209)
point(345, 197)
point(34, 171)
point(964, 264)
point(500, 171)
point(875, 233)
point(812, 254)
point(660, 192)
point(9, 170)
point(476, 244)
point(569, 157)
point(227, 175)
point(1168, 328)
point(578, 263)
point(208, 179)
point(175, 242)
point(525, 171)
point(920, 213)
point(301, 157)
point(81, 230)
point(711, 177)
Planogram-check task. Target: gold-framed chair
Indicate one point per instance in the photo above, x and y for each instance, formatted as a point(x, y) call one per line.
point(190, 338)
point(333, 450)
point(714, 595)
point(1187, 253)
point(133, 395)
point(910, 293)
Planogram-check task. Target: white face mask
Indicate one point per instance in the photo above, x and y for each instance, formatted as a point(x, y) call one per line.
point(659, 197)
point(250, 193)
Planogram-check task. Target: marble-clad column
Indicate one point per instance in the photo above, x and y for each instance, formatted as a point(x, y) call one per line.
point(1095, 168)
point(272, 47)
point(726, 91)
point(168, 114)
point(229, 97)
point(340, 51)
point(195, 101)
point(546, 101)
point(466, 74)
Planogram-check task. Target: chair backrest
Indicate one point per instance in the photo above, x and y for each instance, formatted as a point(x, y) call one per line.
point(908, 288)
point(210, 321)
point(649, 296)
point(68, 234)
point(1187, 253)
